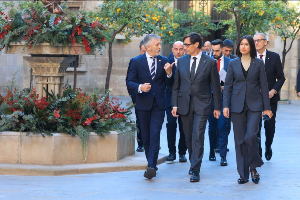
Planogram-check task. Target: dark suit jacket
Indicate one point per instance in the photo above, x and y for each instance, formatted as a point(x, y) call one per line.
point(197, 90)
point(275, 75)
point(169, 88)
point(298, 81)
point(139, 74)
point(233, 56)
point(131, 92)
point(253, 89)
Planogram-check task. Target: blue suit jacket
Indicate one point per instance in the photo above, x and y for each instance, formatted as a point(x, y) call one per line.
point(139, 73)
point(226, 63)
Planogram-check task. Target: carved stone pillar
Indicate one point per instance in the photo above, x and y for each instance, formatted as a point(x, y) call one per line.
point(49, 73)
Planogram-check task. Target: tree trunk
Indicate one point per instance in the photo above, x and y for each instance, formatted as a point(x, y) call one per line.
point(110, 63)
point(237, 15)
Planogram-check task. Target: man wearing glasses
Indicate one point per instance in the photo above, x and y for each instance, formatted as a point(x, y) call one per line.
point(275, 76)
point(192, 99)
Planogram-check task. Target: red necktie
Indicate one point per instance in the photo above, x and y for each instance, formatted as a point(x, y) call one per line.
point(219, 64)
point(261, 56)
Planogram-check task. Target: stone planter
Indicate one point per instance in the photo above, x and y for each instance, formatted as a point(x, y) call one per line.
point(60, 149)
point(48, 64)
point(47, 49)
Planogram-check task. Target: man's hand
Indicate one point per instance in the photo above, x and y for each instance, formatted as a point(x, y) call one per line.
point(217, 114)
point(226, 112)
point(168, 68)
point(146, 87)
point(298, 94)
point(222, 88)
point(271, 93)
point(268, 112)
point(174, 111)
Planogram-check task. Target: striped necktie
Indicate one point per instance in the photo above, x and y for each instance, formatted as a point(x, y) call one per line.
point(152, 70)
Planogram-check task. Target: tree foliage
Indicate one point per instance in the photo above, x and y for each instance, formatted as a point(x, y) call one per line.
point(248, 17)
point(286, 24)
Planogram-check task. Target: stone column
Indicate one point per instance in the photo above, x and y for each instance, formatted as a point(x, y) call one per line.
point(49, 73)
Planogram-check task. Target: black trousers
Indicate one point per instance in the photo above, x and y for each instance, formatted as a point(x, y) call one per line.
point(171, 133)
point(151, 122)
point(194, 128)
point(245, 127)
point(139, 131)
point(269, 128)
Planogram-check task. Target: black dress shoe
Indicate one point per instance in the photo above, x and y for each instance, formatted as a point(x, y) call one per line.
point(150, 172)
point(140, 149)
point(191, 171)
point(195, 176)
point(242, 181)
point(268, 153)
point(223, 161)
point(155, 168)
point(212, 156)
point(255, 176)
point(182, 158)
point(171, 157)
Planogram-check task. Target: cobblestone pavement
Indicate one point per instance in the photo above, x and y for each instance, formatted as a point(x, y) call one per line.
point(280, 177)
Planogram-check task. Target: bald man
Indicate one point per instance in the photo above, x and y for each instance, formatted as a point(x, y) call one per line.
point(207, 46)
point(178, 51)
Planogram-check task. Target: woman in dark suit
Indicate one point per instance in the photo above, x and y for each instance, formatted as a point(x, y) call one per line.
point(246, 93)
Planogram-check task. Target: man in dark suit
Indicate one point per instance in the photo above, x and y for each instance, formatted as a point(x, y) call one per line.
point(218, 129)
point(178, 51)
point(148, 77)
point(228, 48)
point(208, 50)
point(132, 94)
point(275, 76)
point(191, 97)
point(298, 83)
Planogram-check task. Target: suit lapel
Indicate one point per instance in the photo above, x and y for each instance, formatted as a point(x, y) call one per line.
point(187, 65)
point(252, 66)
point(267, 60)
point(159, 67)
point(145, 65)
point(201, 65)
point(239, 69)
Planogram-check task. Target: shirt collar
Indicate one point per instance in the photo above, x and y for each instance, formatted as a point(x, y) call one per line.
point(264, 53)
point(198, 56)
point(148, 56)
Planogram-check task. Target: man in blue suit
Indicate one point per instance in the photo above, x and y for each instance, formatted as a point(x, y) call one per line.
point(148, 77)
point(132, 94)
point(222, 124)
point(178, 51)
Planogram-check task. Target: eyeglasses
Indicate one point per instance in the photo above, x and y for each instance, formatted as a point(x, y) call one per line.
point(187, 45)
point(258, 40)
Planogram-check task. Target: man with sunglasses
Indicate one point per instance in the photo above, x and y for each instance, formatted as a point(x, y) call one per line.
point(275, 76)
point(192, 99)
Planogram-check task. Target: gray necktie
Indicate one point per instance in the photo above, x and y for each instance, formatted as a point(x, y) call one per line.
point(193, 69)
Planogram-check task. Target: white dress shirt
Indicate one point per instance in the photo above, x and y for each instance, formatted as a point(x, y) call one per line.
point(197, 61)
point(175, 61)
point(221, 62)
point(150, 61)
point(264, 55)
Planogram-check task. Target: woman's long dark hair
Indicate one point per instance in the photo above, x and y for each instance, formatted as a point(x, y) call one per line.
point(253, 53)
